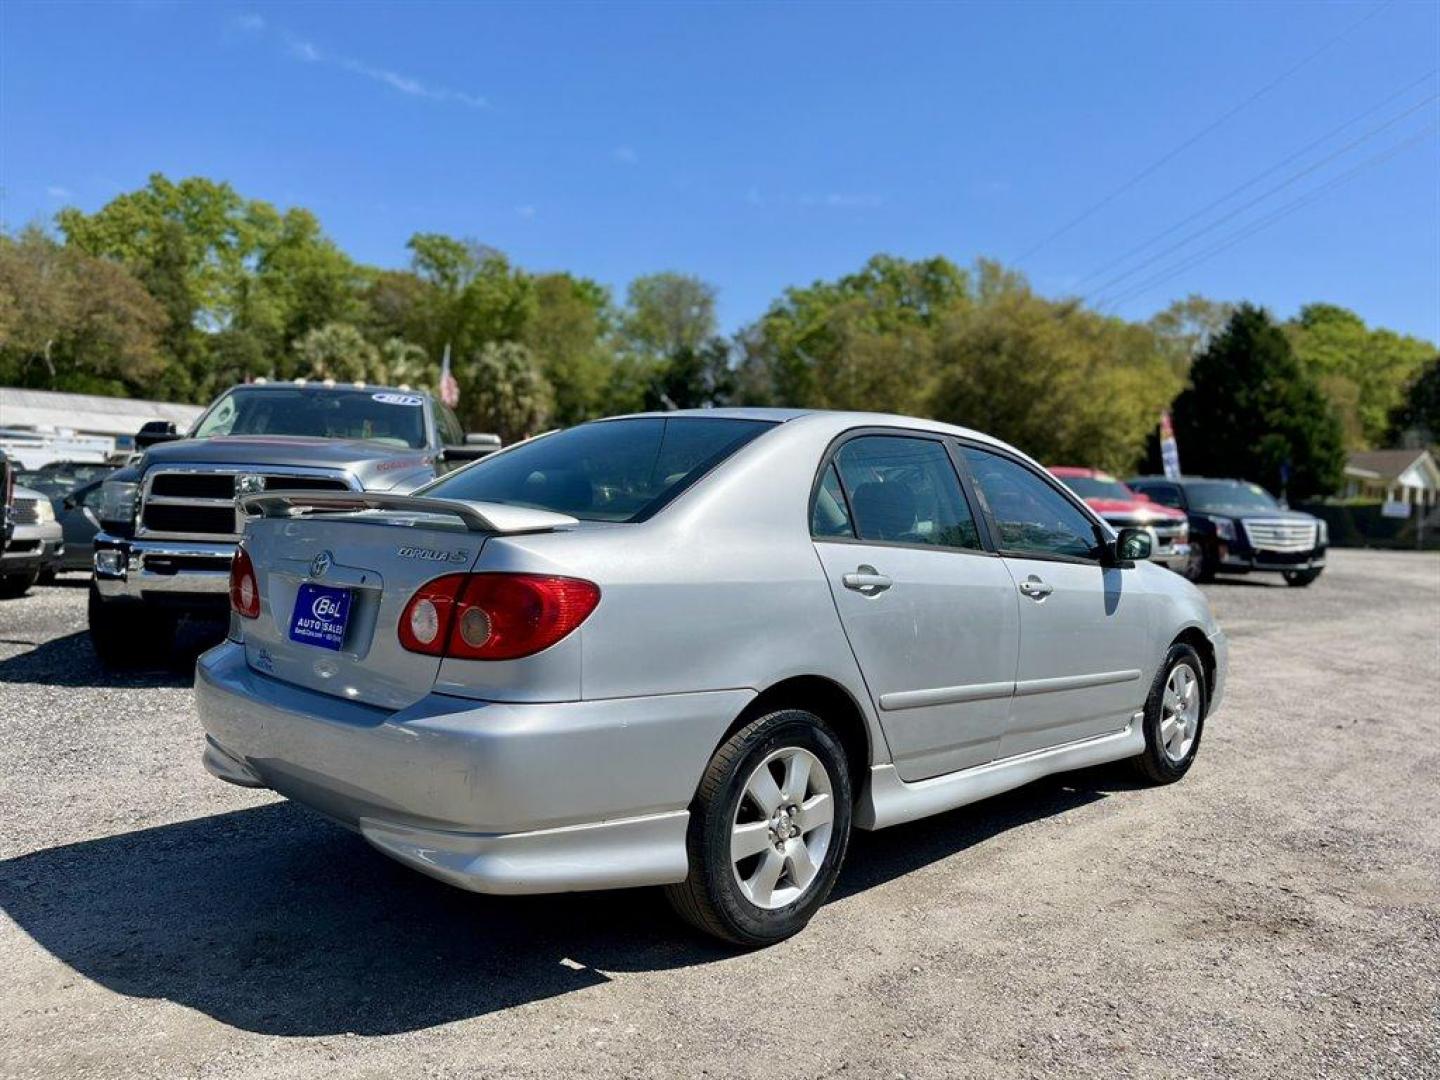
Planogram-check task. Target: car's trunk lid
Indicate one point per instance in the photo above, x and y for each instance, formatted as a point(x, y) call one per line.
point(375, 551)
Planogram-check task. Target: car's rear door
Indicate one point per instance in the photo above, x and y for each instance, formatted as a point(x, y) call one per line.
point(1083, 625)
point(932, 617)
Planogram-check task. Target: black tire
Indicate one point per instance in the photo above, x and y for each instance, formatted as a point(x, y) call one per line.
point(1200, 567)
point(127, 635)
point(13, 586)
point(1154, 764)
point(711, 898)
point(47, 577)
point(1300, 578)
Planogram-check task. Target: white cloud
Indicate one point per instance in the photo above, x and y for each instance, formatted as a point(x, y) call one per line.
point(842, 201)
point(526, 212)
point(251, 21)
point(306, 52)
point(55, 191)
point(625, 155)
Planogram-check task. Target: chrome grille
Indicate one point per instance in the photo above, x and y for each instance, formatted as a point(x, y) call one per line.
point(198, 502)
point(27, 512)
point(1280, 534)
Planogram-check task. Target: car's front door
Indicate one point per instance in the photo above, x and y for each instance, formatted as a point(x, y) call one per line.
point(1083, 625)
point(932, 617)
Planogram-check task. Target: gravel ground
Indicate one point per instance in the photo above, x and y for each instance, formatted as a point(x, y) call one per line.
point(1275, 914)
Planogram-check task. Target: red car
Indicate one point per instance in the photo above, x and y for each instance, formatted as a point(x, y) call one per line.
point(1124, 508)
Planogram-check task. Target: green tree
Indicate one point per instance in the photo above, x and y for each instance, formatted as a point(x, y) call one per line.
point(1067, 385)
point(337, 351)
point(569, 334)
point(1186, 327)
point(667, 312)
point(1416, 420)
point(503, 390)
point(1363, 371)
point(1253, 411)
point(865, 341)
point(70, 321)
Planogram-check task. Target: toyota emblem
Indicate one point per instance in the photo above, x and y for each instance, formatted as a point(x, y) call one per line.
point(321, 564)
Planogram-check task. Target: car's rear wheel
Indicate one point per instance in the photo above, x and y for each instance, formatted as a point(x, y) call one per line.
point(1174, 717)
point(1300, 578)
point(769, 828)
point(129, 634)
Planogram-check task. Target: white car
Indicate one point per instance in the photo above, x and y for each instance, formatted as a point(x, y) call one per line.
point(696, 649)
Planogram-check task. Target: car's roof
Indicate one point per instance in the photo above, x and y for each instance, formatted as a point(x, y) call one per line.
point(1188, 479)
point(839, 420)
point(324, 384)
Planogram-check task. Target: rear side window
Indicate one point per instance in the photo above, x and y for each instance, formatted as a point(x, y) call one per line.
point(612, 470)
point(830, 517)
point(1030, 515)
point(905, 491)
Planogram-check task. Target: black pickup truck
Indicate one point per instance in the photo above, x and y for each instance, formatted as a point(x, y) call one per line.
point(1237, 527)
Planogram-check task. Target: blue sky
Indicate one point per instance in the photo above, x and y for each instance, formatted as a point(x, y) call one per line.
point(761, 146)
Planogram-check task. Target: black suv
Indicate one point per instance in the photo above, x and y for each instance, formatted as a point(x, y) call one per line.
point(1237, 527)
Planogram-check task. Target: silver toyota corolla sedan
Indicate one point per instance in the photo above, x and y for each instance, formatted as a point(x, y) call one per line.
point(695, 649)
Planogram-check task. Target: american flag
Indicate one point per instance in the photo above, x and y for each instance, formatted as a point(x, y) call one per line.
point(449, 388)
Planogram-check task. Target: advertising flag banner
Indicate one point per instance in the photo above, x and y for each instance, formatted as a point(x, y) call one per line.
point(1169, 452)
point(449, 388)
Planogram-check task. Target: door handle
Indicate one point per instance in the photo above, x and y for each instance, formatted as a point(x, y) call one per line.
point(867, 581)
point(1036, 589)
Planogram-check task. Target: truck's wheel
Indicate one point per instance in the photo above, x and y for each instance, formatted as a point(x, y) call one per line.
point(1300, 578)
point(13, 585)
point(1200, 567)
point(768, 830)
point(128, 635)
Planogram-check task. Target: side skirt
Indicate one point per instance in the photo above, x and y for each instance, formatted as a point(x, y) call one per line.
point(888, 800)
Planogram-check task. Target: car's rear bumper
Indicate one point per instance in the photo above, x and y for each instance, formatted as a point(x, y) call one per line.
point(491, 796)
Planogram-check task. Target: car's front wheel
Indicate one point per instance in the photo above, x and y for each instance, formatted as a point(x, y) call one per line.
point(13, 585)
point(768, 830)
point(1174, 717)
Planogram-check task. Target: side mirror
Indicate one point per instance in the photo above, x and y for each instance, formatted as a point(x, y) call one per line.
point(475, 446)
point(156, 431)
point(1132, 546)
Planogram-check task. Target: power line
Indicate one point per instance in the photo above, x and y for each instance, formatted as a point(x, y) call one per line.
point(1170, 155)
point(1256, 178)
point(1231, 215)
point(1263, 223)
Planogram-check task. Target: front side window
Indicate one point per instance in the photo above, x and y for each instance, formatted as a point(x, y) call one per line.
point(611, 470)
point(905, 491)
point(1032, 517)
point(383, 416)
point(451, 433)
point(1164, 494)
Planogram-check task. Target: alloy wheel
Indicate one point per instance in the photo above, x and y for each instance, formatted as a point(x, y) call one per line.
point(782, 828)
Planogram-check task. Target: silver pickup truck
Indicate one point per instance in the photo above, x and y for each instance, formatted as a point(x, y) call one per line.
point(170, 523)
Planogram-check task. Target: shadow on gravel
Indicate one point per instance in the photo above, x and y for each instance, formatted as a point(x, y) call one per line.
point(71, 661)
point(275, 921)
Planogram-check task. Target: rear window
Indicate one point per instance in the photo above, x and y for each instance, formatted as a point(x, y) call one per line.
point(611, 470)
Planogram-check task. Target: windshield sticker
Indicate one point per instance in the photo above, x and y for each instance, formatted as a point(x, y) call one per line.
point(397, 399)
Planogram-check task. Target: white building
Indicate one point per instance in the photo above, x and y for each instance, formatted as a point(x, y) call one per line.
point(39, 426)
point(1396, 476)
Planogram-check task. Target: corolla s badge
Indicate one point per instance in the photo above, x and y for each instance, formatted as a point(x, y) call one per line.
point(433, 554)
point(321, 564)
point(249, 484)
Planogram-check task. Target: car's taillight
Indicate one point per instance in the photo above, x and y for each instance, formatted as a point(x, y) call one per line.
point(494, 616)
point(244, 589)
point(425, 622)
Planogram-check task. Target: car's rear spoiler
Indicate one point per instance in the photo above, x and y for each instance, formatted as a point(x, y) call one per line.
point(477, 516)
